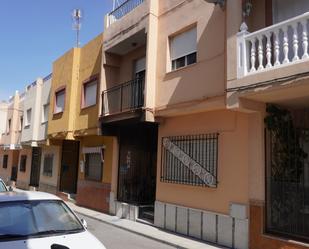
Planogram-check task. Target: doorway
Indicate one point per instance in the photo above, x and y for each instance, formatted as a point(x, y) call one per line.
point(35, 167)
point(69, 166)
point(137, 165)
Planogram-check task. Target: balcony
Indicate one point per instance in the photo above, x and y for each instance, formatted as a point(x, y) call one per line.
point(123, 101)
point(122, 10)
point(278, 46)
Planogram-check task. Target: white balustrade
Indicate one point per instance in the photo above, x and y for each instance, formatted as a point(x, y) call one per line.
point(281, 44)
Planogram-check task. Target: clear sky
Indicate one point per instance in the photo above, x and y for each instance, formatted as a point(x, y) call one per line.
point(33, 33)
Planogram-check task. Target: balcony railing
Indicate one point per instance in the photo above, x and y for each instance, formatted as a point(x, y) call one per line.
point(125, 97)
point(122, 10)
point(279, 45)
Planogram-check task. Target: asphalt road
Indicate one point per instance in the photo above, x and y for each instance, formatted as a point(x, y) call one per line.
point(115, 238)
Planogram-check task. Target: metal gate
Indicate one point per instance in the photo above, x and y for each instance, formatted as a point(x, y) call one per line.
point(287, 184)
point(137, 164)
point(35, 166)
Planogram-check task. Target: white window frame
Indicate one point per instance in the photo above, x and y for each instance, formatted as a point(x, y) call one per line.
point(176, 41)
point(28, 117)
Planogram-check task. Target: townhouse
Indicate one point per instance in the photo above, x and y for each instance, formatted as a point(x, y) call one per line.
point(10, 140)
point(182, 155)
point(267, 51)
point(85, 156)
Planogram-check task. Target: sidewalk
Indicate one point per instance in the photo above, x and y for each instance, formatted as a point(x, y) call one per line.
point(144, 230)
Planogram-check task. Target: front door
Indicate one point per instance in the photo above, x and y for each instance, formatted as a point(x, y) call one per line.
point(69, 166)
point(35, 166)
point(137, 164)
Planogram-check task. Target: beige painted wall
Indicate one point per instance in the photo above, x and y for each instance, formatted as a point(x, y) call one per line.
point(204, 79)
point(232, 161)
point(51, 180)
point(23, 178)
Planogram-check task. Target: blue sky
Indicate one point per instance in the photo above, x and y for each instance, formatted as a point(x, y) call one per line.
point(33, 33)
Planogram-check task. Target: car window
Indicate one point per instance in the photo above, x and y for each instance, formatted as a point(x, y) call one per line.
point(2, 187)
point(30, 218)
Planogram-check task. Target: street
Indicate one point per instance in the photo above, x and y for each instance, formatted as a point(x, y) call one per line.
point(115, 238)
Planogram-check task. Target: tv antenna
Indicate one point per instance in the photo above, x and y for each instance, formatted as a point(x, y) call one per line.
point(77, 16)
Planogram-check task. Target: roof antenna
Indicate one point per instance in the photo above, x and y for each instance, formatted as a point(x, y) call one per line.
point(77, 16)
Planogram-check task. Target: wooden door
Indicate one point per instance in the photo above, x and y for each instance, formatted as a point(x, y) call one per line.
point(69, 166)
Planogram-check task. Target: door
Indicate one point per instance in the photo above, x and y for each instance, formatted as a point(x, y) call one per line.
point(35, 166)
point(69, 166)
point(138, 85)
point(137, 164)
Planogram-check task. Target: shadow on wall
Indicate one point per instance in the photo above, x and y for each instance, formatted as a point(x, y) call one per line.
point(198, 81)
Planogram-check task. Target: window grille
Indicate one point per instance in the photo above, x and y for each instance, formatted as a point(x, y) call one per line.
point(93, 166)
point(23, 163)
point(48, 165)
point(191, 160)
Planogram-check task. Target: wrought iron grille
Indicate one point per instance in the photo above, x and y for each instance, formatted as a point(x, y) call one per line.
point(125, 97)
point(191, 160)
point(287, 183)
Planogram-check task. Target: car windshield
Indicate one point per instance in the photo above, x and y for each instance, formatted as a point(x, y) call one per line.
point(2, 187)
point(36, 218)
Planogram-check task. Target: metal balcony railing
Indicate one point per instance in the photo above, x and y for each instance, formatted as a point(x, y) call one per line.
point(122, 10)
point(125, 97)
point(281, 44)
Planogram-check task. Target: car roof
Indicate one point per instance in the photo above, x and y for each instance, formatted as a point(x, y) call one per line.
point(26, 196)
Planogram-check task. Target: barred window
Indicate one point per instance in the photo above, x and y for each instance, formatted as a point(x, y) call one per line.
point(191, 160)
point(5, 161)
point(48, 165)
point(23, 163)
point(93, 166)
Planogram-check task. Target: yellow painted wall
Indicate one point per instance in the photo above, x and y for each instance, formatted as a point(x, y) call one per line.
point(94, 141)
point(90, 65)
point(65, 73)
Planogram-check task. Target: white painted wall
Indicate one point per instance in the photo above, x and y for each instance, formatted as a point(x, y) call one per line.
point(32, 100)
point(45, 98)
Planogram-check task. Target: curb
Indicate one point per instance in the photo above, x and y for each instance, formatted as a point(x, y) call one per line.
point(177, 246)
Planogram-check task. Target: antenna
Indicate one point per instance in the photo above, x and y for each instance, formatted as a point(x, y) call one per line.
point(77, 16)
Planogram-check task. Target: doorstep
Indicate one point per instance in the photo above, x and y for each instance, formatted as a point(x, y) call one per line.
point(145, 230)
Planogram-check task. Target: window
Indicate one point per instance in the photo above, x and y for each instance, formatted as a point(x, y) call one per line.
point(21, 123)
point(48, 165)
point(23, 163)
point(90, 93)
point(28, 118)
point(5, 161)
point(183, 49)
point(45, 112)
point(60, 101)
point(93, 166)
point(9, 126)
point(191, 160)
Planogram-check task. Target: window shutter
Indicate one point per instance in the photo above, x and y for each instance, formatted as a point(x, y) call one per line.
point(183, 44)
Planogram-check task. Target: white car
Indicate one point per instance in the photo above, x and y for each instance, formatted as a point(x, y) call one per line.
point(35, 220)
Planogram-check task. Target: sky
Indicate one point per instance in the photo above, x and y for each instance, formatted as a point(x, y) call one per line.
point(34, 33)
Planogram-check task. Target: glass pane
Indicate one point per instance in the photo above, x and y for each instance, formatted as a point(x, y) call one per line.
point(59, 101)
point(31, 217)
point(191, 58)
point(2, 187)
point(181, 62)
point(91, 94)
point(94, 166)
